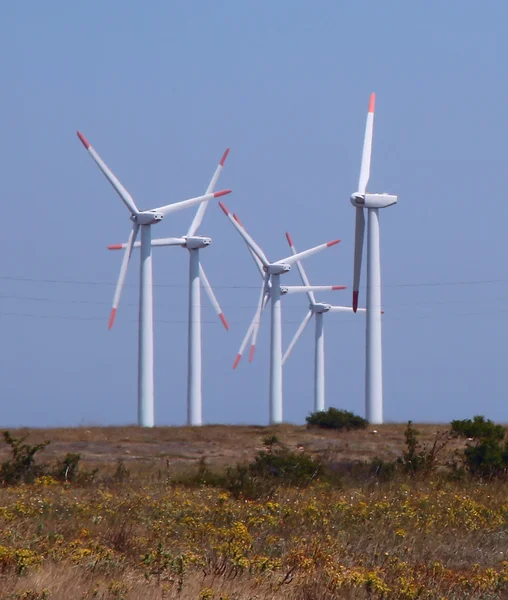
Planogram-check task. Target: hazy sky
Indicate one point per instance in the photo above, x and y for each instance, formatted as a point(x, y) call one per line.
point(161, 89)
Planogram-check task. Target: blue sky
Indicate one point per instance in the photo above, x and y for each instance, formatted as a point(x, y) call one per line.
point(161, 89)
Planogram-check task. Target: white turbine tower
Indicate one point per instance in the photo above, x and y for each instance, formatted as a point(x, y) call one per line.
point(144, 219)
point(316, 310)
point(372, 202)
point(197, 277)
point(271, 288)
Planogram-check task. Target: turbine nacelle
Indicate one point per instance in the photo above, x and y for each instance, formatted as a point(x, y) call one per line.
point(320, 307)
point(147, 218)
point(277, 269)
point(372, 200)
point(196, 242)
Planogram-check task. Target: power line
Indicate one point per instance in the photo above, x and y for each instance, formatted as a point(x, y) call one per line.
point(244, 286)
point(389, 305)
point(335, 322)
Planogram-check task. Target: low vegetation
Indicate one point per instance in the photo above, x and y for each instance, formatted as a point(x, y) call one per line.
point(286, 523)
point(333, 418)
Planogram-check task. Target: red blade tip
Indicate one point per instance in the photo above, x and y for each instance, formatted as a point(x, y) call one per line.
point(332, 243)
point(251, 353)
point(355, 301)
point(237, 219)
point(83, 140)
point(372, 102)
point(338, 287)
point(221, 193)
point(112, 318)
point(226, 211)
point(224, 156)
point(224, 322)
point(115, 247)
point(237, 360)
point(288, 237)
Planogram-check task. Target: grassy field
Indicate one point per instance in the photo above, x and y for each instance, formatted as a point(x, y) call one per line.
point(151, 534)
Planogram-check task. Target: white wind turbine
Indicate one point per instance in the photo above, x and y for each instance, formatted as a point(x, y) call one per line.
point(316, 310)
point(253, 330)
point(144, 219)
point(372, 202)
point(197, 276)
point(271, 288)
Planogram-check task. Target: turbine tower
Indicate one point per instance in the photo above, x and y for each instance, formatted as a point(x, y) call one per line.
point(372, 202)
point(197, 277)
point(316, 310)
point(144, 219)
point(272, 272)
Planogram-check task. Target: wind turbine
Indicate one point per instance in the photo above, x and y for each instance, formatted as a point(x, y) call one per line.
point(252, 331)
point(372, 202)
point(143, 219)
point(197, 277)
point(316, 310)
point(271, 288)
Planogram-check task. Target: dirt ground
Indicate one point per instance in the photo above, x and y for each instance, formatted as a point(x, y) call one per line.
point(177, 448)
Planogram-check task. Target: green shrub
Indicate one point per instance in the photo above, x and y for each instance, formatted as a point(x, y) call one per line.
point(421, 460)
point(411, 460)
point(478, 428)
point(271, 468)
point(487, 456)
point(67, 469)
point(334, 418)
point(22, 466)
point(121, 473)
point(385, 470)
point(278, 461)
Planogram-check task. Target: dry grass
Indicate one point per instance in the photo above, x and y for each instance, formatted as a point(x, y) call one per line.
point(147, 538)
point(220, 445)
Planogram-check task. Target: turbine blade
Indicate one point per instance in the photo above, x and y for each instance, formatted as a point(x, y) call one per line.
point(120, 190)
point(301, 270)
point(297, 335)
point(344, 309)
point(200, 213)
point(252, 325)
point(359, 231)
point(248, 240)
point(257, 324)
point(295, 289)
point(157, 242)
point(367, 147)
point(211, 296)
point(123, 273)
point(244, 342)
point(176, 206)
point(255, 258)
point(306, 253)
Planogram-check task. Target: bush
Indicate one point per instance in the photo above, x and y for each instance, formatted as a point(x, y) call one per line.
point(385, 470)
point(478, 428)
point(271, 468)
point(21, 467)
point(333, 418)
point(411, 460)
point(487, 456)
point(67, 469)
point(425, 460)
point(278, 461)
